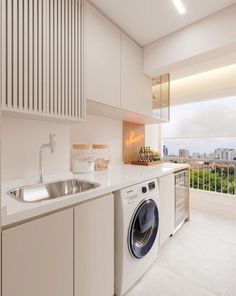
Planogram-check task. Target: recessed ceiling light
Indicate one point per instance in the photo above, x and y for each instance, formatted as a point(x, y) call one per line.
point(179, 6)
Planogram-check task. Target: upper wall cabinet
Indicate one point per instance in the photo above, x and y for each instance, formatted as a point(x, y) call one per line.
point(103, 59)
point(161, 97)
point(132, 76)
point(42, 58)
point(147, 95)
point(116, 83)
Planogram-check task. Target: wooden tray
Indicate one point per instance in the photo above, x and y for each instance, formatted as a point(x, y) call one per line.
point(135, 162)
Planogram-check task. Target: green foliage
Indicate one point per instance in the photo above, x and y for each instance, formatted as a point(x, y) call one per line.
point(213, 180)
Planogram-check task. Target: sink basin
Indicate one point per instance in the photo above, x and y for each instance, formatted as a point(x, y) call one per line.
point(46, 191)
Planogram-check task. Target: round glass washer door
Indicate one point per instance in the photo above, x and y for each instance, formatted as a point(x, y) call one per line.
point(143, 229)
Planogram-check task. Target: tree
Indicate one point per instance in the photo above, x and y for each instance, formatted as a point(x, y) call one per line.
point(213, 180)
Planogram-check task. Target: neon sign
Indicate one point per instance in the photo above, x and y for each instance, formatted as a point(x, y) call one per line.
point(132, 139)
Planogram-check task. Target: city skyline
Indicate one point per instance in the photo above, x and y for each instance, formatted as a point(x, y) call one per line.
point(199, 145)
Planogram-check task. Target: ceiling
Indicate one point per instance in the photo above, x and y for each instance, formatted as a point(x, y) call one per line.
point(215, 84)
point(148, 20)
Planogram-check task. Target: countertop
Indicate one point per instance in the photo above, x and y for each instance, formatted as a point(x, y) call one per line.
point(117, 177)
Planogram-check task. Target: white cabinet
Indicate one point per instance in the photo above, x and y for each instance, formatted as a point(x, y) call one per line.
point(37, 257)
point(147, 95)
point(167, 206)
point(116, 83)
point(94, 247)
point(103, 59)
point(132, 80)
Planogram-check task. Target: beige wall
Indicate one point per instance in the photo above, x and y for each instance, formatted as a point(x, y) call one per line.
point(153, 136)
point(21, 140)
point(110, 131)
point(100, 130)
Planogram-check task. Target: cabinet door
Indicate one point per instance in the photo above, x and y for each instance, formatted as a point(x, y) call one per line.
point(103, 59)
point(147, 95)
point(94, 247)
point(131, 75)
point(161, 97)
point(42, 65)
point(37, 257)
point(167, 206)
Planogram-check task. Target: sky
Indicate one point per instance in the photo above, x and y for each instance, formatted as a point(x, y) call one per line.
point(201, 127)
point(214, 118)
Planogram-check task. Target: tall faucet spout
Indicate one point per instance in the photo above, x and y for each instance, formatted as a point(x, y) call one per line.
point(51, 145)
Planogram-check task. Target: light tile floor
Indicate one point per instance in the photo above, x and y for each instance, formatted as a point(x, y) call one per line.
point(199, 260)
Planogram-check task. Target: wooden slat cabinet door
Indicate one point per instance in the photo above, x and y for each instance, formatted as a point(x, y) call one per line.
point(94, 247)
point(42, 58)
point(37, 257)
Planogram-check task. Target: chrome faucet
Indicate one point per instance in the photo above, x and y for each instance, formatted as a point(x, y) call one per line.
point(51, 145)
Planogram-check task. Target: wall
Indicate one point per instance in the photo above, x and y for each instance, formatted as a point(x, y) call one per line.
point(100, 130)
point(183, 48)
point(152, 136)
point(110, 131)
point(218, 203)
point(21, 140)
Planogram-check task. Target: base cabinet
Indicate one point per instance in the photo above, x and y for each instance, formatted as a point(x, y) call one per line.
point(69, 253)
point(167, 206)
point(37, 257)
point(94, 247)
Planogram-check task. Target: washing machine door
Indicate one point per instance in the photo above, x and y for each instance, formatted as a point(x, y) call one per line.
point(143, 229)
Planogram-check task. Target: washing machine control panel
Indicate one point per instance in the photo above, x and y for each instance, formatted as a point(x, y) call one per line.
point(151, 185)
point(144, 189)
point(135, 193)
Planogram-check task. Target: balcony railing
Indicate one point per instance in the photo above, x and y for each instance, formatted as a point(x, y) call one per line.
point(210, 174)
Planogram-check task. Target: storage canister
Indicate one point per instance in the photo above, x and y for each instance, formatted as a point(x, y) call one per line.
point(102, 157)
point(82, 159)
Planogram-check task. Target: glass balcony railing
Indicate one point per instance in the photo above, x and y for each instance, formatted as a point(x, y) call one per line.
point(210, 174)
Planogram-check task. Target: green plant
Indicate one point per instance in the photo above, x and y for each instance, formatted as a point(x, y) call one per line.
point(213, 180)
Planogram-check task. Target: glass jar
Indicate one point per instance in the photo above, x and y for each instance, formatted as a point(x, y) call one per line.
point(82, 159)
point(102, 157)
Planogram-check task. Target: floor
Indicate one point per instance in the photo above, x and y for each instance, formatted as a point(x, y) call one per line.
point(199, 260)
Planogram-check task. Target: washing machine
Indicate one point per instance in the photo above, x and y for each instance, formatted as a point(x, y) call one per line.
point(136, 233)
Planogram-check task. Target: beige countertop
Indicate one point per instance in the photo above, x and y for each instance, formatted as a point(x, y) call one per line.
point(120, 176)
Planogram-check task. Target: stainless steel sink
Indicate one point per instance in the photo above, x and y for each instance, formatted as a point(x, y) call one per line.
point(46, 191)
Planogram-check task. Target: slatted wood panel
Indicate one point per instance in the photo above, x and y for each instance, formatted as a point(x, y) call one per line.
point(42, 57)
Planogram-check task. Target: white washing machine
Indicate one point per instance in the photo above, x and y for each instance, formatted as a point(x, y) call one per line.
point(136, 233)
